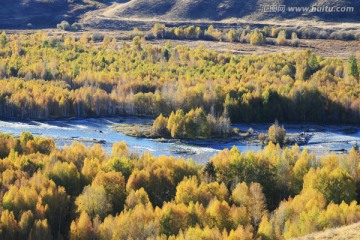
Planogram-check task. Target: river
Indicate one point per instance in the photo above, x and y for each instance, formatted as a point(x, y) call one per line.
point(324, 138)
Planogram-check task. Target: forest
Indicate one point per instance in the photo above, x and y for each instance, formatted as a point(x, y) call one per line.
point(81, 192)
point(62, 76)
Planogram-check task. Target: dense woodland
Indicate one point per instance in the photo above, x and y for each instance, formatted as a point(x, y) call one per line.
point(60, 76)
point(83, 193)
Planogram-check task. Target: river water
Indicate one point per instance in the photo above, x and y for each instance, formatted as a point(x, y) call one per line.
point(324, 138)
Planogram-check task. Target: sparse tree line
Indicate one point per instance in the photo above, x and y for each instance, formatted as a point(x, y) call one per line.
point(61, 76)
point(254, 37)
point(267, 34)
point(84, 193)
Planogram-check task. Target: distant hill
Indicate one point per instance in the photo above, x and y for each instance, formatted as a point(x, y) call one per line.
point(47, 13)
point(225, 9)
point(17, 13)
point(44, 13)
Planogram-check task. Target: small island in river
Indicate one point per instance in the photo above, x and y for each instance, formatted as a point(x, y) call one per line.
point(197, 127)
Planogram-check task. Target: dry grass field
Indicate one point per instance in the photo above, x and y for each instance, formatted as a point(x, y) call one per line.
point(351, 232)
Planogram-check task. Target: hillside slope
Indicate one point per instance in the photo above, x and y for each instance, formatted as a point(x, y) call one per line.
point(47, 13)
point(351, 232)
point(14, 13)
point(225, 9)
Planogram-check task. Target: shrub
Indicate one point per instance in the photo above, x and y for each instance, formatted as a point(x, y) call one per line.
point(76, 27)
point(137, 33)
point(232, 35)
point(277, 134)
point(244, 37)
point(257, 38)
point(192, 32)
point(159, 126)
point(212, 33)
point(281, 39)
point(353, 69)
point(98, 37)
point(64, 25)
point(274, 32)
point(294, 39)
point(266, 31)
point(262, 138)
point(158, 30)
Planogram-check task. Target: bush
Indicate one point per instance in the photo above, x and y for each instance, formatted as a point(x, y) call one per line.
point(244, 38)
point(159, 126)
point(267, 31)
point(98, 37)
point(158, 30)
point(353, 67)
point(277, 134)
point(3, 39)
point(294, 39)
point(232, 35)
point(262, 138)
point(76, 27)
point(64, 25)
point(137, 33)
point(274, 32)
point(281, 39)
point(257, 38)
point(212, 33)
point(192, 32)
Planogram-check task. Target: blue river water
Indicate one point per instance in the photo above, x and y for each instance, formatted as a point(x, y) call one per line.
point(324, 137)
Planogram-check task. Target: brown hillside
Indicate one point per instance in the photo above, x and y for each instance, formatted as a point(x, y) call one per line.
point(351, 232)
